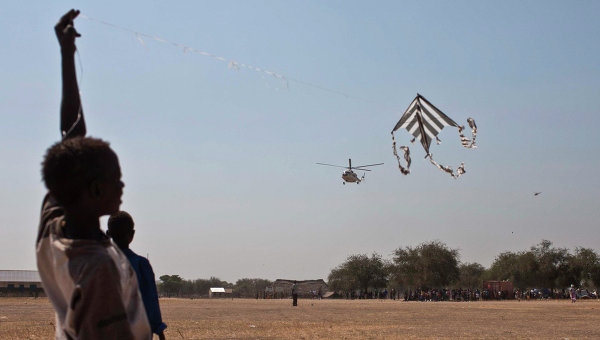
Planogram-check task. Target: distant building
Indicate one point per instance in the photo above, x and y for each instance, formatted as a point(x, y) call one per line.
point(220, 292)
point(20, 283)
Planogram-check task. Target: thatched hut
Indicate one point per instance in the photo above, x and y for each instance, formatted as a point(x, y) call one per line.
point(282, 288)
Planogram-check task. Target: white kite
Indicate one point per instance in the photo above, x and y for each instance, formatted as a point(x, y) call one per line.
point(424, 121)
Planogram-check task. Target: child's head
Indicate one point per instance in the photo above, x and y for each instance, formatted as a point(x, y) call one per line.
point(84, 171)
point(120, 229)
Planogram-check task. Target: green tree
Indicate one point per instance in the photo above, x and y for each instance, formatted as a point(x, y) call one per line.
point(519, 268)
point(170, 285)
point(174, 285)
point(584, 269)
point(251, 287)
point(359, 272)
point(470, 275)
point(553, 263)
point(432, 265)
point(341, 279)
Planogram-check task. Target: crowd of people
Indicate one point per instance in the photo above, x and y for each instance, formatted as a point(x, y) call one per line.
point(546, 293)
point(443, 294)
point(469, 294)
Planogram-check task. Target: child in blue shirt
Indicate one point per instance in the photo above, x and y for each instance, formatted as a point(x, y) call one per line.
point(120, 229)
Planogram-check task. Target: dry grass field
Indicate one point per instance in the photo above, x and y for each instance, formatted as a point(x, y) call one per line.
point(26, 318)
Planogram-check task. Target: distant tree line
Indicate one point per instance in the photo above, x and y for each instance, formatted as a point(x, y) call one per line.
point(428, 265)
point(435, 265)
point(175, 286)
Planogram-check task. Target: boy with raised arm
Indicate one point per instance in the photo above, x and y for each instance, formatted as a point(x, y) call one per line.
point(90, 283)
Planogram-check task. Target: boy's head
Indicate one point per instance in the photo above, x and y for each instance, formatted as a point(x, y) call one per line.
point(84, 171)
point(120, 229)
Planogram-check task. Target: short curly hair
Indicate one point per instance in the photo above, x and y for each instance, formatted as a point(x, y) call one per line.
point(122, 219)
point(70, 165)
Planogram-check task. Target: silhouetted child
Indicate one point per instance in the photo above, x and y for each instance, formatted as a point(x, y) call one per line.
point(120, 228)
point(90, 283)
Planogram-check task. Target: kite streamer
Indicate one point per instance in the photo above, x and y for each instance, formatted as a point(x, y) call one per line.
point(461, 169)
point(469, 144)
point(403, 170)
point(424, 121)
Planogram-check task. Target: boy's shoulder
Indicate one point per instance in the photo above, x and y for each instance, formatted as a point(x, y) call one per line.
point(135, 259)
point(51, 217)
point(84, 258)
point(95, 259)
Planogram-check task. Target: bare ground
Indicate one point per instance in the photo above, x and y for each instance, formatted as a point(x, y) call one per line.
point(26, 318)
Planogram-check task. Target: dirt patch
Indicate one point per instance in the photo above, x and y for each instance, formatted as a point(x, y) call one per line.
point(24, 318)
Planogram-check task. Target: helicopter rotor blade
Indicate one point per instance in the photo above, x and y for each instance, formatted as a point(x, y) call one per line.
point(337, 166)
point(364, 166)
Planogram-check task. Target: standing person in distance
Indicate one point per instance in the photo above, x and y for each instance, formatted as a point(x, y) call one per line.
point(90, 283)
point(294, 294)
point(120, 229)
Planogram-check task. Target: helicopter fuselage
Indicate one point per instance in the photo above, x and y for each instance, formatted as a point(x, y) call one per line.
point(350, 176)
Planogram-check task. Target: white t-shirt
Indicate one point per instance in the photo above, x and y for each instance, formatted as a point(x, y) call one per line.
point(90, 283)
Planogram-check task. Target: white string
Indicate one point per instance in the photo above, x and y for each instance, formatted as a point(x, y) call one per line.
point(231, 64)
point(80, 66)
point(80, 77)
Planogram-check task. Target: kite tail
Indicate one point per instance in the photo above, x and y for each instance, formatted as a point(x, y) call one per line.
point(404, 171)
point(461, 169)
point(466, 142)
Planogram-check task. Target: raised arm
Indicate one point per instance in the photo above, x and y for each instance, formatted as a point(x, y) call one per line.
point(72, 123)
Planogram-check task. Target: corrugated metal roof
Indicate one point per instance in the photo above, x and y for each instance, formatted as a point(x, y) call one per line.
point(217, 290)
point(19, 276)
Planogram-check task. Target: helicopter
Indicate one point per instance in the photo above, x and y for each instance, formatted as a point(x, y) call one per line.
point(349, 175)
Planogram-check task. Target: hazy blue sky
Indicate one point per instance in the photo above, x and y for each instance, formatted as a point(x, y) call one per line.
point(219, 164)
